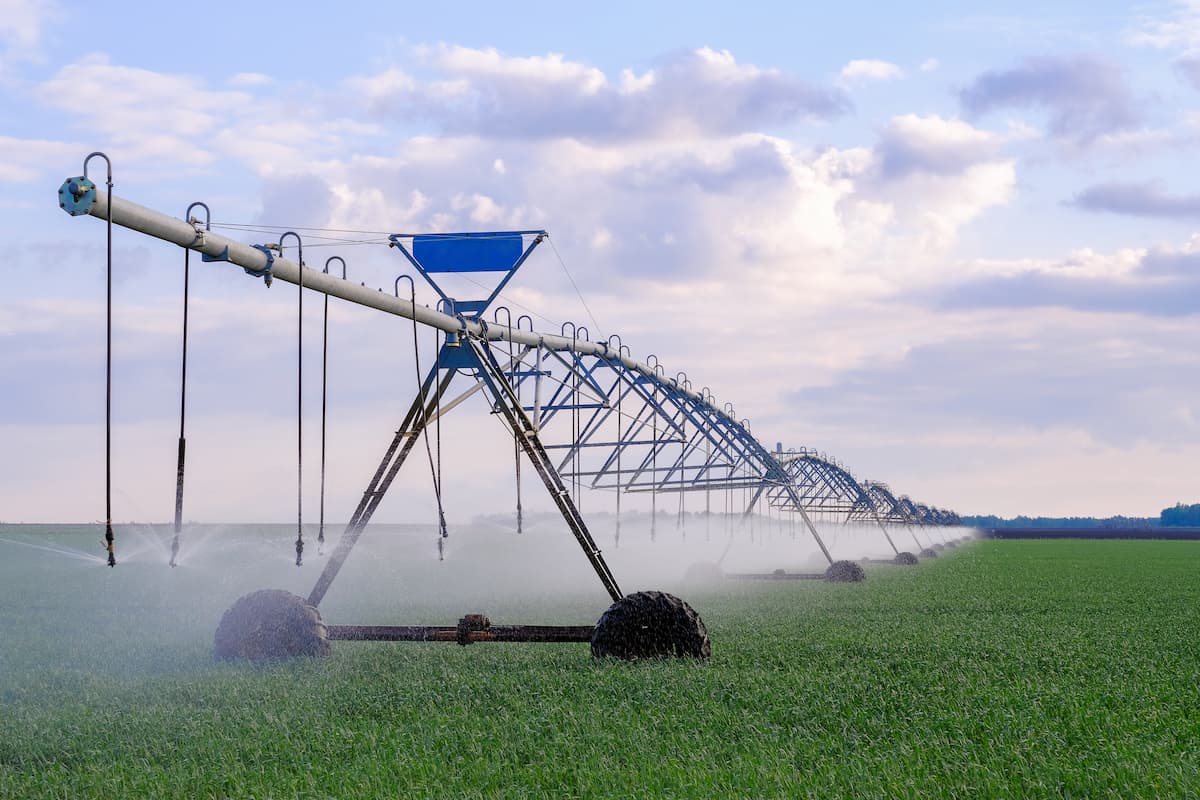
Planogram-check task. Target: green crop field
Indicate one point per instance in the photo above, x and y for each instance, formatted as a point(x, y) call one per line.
point(1003, 669)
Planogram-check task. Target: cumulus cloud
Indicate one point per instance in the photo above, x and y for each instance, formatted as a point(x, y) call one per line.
point(935, 175)
point(1143, 199)
point(487, 93)
point(1162, 281)
point(861, 70)
point(29, 159)
point(934, 145)
point(250, 79)
point(1180, 26)
point(148, 114)
point(1119, 386)
point(23, 21)
point(1086, 96)
point(151, 118)
point(1188, 67)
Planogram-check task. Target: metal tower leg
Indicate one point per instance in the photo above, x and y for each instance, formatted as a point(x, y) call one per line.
point(886, 535)
point(506, 403)
point(812, 529)
point(393, 459)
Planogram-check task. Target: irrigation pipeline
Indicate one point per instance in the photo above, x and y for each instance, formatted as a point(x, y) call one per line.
point(219, 248)
point(81, 197)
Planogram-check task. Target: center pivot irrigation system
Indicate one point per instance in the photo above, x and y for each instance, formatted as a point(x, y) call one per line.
point(584, 413)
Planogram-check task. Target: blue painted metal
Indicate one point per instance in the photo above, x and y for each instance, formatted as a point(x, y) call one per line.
point(465, 254)
point(76, 196)
point(265, 272)
point(224, 255)
point(470, 252)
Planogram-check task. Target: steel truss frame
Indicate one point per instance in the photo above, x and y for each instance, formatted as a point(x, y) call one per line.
point(633, 429)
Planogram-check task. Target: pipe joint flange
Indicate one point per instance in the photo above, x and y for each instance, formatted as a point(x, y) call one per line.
point(76, 196)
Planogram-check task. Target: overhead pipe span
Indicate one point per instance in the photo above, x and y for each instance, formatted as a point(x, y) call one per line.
point(144, 220)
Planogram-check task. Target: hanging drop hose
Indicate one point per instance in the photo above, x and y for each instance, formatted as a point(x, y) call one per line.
point(324, 384)
point(109, 539)
point(620, 447)
point(437, 476)
point(434, 470)
point(516, 441)
point(174, 562)
point(299, 395)
point(654, 472)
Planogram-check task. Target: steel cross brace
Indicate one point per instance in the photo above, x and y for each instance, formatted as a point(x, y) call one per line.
point(423, 407)
point(506, 402)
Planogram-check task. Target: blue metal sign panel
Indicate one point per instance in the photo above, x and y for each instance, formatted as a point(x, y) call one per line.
point(456, 252)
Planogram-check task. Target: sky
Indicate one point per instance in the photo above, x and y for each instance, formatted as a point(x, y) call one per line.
point(957, 248)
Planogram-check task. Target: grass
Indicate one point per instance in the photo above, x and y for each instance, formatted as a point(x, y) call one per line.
point(1003, 669)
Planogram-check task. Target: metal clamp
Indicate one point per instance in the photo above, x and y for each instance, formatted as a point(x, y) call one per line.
point(265, 272)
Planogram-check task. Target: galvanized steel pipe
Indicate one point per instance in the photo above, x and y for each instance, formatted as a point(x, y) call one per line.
point(138, 218)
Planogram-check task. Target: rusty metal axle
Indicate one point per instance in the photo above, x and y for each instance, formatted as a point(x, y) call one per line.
point(470, 629)
point(777, 575)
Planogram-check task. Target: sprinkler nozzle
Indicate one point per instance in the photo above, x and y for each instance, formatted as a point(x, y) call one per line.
point(108, 545)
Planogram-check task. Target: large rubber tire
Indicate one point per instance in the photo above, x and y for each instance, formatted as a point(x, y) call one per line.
point(906, 559)
point(927, 553)
point(270, 625)
point(650, 625)
point(939, 546)
point(951, 543)
point(845, 572)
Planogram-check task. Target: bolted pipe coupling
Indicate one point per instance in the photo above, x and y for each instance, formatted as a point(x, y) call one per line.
point(76, 196)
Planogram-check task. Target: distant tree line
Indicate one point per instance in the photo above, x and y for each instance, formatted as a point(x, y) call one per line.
point(1124, 523)
point(1180, 515)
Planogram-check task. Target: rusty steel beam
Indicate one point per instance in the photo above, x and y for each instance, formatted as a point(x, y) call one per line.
point(467, 632)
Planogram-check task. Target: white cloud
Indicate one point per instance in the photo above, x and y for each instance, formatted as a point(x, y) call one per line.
point(1180, 27)
point(489, 63)
point(160, 121)
point(22, 22)
point(487, 93)
point(929, 65)
point(866, 69)
point(248, 79)
point(31, 159)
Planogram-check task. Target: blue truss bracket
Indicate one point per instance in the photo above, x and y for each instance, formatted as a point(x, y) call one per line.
point(457, 357)
point(222, 256)
point(467, 254)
